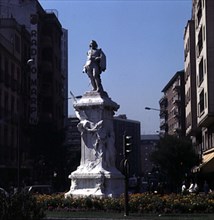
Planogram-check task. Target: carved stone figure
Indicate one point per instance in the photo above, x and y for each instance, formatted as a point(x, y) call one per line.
point(95, 65)
point(98, 136)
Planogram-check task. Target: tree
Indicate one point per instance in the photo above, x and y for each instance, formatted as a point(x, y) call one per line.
point(175, 157)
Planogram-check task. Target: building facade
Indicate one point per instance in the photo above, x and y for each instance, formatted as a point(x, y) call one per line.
point(73, 143)
point(203, 18)
point(33, 89)
point(148, 145)
point(190, 78)
point(192, 129)
point(172, 108)
point(14, 41)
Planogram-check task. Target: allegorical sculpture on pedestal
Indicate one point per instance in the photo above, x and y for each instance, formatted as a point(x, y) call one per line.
point(97, 174)
point(95, 65)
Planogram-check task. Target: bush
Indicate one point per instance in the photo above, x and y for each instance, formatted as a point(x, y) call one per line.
point(3, 206)
point(138, 203)
point(20, 206)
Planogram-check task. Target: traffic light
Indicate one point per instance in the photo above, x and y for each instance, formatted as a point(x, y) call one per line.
point(127, 144)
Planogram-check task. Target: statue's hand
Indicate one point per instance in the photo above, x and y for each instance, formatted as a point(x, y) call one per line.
point(84, 70)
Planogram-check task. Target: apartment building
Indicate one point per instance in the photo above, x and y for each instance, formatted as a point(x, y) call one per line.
point(192, 129)
point(14, 41)
point(33, 88)
point(190, 77)
point(148, 145)
point(73, 143)
point(172, 108)
point(203, 17)
point(64, 70)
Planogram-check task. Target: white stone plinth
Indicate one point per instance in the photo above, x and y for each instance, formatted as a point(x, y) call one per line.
point(101, 184)
point(97, 174)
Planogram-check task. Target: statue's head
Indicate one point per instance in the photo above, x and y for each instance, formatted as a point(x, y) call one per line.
point(93, 44)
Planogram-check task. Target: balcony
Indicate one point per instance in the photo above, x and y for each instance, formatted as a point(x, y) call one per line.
point(177, 128)
point(176, 100)
point(163, 125)
point(176, 114)
point(163, 113)
point(163, 102)
point(176, 87)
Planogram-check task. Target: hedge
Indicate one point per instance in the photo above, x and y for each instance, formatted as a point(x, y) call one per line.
point(138, 203)
point(20, 206)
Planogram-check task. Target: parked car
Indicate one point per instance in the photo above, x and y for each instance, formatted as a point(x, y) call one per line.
point(39, 189)
point(4, 192)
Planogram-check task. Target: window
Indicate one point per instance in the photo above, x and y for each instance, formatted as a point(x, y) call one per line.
point(6, 102)
point(200, 42)
point(5, 135)
point(6, 68)
point(0, 63)
point(199, 13)
point(205, 66)
point(204, 33)
point(201, 71)
point(12, 70)
point(17, 43)
point(206, 140)
point(201, 102)
point(12, 104)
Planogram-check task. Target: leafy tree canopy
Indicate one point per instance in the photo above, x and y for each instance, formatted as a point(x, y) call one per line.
point(175, 157)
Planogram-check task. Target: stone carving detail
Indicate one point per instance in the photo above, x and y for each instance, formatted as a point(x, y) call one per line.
point(99, 139)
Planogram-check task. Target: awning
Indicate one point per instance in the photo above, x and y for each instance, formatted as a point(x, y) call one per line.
point(207, 165)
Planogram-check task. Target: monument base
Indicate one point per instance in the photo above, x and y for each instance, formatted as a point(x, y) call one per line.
point(98, 183)
point(97, 174)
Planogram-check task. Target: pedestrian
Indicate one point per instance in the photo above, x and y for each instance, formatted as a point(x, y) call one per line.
point(195, 189)
point(191, 187)
point(183, 188)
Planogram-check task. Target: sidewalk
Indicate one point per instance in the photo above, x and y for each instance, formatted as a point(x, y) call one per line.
point(125, 218)
point(143, 217)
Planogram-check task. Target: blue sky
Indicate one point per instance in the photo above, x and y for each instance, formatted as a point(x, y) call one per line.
point(143, 42)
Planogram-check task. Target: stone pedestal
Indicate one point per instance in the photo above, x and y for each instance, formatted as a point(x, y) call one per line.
point(97, 174)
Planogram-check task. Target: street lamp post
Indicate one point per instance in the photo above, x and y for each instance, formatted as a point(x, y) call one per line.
point(155, 109)
point(162, 113)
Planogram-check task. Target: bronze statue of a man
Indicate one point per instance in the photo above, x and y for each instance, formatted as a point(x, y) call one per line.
point(95, 65)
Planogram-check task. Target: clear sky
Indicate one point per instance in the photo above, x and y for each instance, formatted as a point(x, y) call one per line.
point(143, 43)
